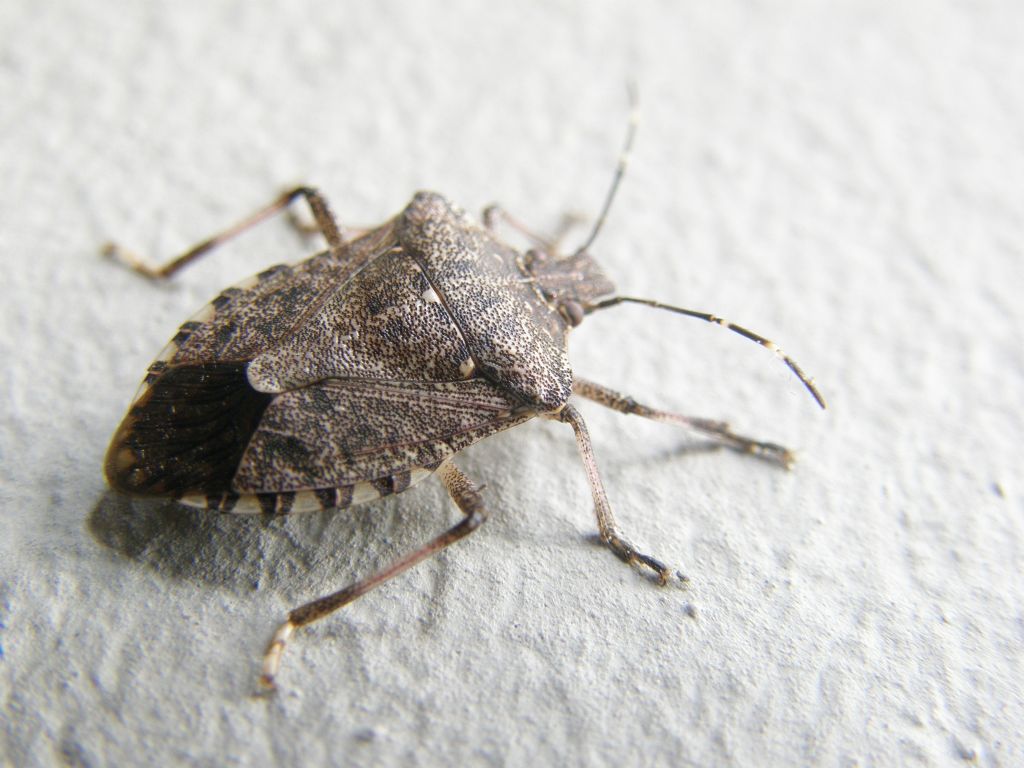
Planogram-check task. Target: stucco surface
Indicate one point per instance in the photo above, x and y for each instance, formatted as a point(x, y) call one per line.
point(844, 178)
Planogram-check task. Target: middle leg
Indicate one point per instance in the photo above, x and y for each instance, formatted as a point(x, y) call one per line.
point(717, 430)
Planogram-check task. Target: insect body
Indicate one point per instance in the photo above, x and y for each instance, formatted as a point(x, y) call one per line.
point(364, 369)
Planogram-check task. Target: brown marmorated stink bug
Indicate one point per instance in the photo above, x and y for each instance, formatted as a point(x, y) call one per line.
point(362, 370)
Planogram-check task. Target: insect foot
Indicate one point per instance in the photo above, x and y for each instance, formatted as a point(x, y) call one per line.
point(629, 554)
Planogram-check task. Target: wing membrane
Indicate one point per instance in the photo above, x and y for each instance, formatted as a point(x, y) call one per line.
point(340, 432)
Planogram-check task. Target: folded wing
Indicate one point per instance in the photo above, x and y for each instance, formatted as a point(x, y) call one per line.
point(339, 432)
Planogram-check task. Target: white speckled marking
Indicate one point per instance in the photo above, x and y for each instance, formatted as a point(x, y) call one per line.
point(364, 492)
point(306, 501)
point(204, 315)
point(248, 283)
point(167, 353)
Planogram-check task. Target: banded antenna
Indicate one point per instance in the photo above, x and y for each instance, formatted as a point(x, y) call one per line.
point(620, 171)
point(807, 381)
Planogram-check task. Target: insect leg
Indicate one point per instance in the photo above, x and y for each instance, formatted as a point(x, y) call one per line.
point(606, 524)
point(325, 224)
point(717, 430)
point(468, 499)
point(495, 214)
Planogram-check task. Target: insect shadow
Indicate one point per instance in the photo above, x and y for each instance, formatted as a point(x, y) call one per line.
point(668, 454)
point(288, 553)
point(281, 553)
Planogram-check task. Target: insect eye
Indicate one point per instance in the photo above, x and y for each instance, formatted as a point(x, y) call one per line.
point(572, 312)
point(534, 257)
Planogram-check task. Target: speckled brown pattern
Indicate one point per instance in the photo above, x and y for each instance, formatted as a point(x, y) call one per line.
point(386, 323)
point(244, 321)
point(340, 432)
point(491, 300)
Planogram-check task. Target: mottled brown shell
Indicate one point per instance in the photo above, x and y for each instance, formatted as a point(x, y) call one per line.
point(492, 300)
point(350, 375)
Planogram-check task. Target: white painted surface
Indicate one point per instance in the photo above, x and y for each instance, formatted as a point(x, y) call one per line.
point(843, 177)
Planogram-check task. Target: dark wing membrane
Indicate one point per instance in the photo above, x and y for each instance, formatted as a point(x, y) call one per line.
point(187, 431)
point(340, 432)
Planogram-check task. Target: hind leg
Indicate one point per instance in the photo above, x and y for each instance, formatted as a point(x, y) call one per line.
point(468, 499)
point(325, 224)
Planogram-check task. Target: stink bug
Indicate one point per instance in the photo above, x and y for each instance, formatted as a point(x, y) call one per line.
point(360, 371)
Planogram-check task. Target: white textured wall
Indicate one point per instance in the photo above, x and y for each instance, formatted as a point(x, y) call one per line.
point(844, 177)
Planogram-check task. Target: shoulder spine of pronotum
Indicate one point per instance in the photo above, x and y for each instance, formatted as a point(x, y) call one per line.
point(358, 372)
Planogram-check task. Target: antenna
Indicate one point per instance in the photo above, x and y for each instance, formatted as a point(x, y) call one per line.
point(620, 170)
point(707, 317)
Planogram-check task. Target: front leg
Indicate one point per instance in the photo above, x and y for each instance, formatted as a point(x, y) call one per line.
point(608, 528)
point(494, 215)
point(717, 430)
